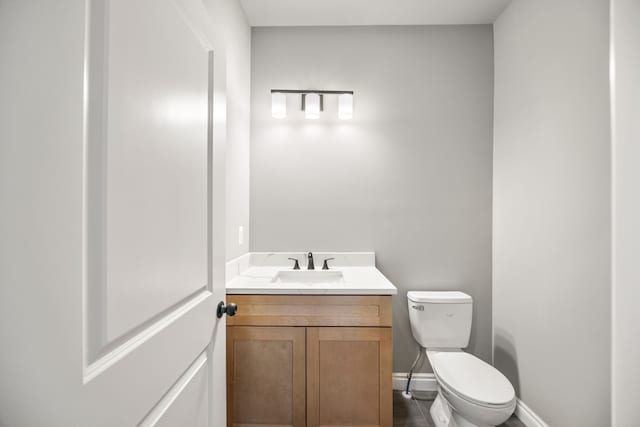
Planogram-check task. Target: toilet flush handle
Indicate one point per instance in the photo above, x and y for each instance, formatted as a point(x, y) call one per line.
point(418, 307)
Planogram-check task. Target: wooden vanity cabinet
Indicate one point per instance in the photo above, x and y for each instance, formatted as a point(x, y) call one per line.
point(349, 377)
point(309, 361)
point(266, 376)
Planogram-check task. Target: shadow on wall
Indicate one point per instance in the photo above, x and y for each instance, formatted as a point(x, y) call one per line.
point(505, 357)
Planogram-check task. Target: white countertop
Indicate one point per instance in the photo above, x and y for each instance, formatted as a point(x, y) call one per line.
point(363, 279)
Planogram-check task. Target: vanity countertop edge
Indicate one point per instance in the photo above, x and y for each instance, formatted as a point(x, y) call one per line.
point(254, 273)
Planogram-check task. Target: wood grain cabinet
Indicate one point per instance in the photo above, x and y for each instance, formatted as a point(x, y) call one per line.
point(349, 377)
point(266, 372)
point(327, 370)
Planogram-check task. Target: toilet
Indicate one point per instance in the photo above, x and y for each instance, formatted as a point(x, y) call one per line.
point(471, 393)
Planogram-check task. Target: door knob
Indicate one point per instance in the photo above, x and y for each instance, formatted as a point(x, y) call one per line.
point(230, 309)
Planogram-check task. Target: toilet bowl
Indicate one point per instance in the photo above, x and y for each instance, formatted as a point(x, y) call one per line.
point(476, 392)
point(471, 393)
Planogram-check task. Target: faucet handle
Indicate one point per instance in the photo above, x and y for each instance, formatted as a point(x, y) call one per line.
point(296, 266)
point(325, 266)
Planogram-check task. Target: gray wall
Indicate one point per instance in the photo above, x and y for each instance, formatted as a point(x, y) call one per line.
point(233, 28)
point(551, 259)
point(626, 211)
point(238, 129)
point(409, 177)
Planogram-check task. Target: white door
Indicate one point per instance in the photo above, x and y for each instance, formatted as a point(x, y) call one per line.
point(110, 256)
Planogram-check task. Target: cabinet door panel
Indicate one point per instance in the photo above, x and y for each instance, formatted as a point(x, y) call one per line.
point(266, 377)
point(349, 377)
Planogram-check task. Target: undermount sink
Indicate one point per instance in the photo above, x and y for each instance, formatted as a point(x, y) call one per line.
point(308, 276)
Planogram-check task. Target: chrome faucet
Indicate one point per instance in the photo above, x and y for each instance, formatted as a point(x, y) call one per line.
point(310, 265)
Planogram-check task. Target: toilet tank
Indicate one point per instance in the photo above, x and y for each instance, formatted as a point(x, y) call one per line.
point(440, 319)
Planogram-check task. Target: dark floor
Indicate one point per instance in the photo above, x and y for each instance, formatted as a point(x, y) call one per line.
point(415, 412)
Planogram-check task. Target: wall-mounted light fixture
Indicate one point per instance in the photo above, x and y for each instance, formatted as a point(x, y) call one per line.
point(311, 105)
point(312, 102)
point(278, 105)
point(345, 106)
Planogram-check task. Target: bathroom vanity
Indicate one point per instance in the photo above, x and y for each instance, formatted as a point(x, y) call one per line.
point(309, 347)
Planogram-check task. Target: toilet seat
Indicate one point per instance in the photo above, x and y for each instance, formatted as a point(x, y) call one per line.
point(471, 379)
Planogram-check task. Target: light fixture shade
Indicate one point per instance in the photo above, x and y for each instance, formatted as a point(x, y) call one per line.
point(345, 106)
point(278, 105)
point(312, 106)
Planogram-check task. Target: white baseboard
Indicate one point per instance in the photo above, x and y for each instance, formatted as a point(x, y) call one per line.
point(419, 382)
point(427, 382)
point(527, 416)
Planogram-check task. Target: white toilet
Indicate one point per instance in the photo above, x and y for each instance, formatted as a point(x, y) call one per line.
point(471, 393)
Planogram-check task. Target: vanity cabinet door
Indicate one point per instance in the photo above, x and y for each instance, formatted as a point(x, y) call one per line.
point(265, 376)
point(349, 377)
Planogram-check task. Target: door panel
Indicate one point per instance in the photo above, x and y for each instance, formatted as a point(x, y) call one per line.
point(266, 376)
point(186, 402)
point(156, 163)
point(112, 276)
point(349, 377)
point(147, 173)
point(149, 309)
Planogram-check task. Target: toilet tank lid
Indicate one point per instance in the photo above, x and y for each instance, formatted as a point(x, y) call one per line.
point(439, 297)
